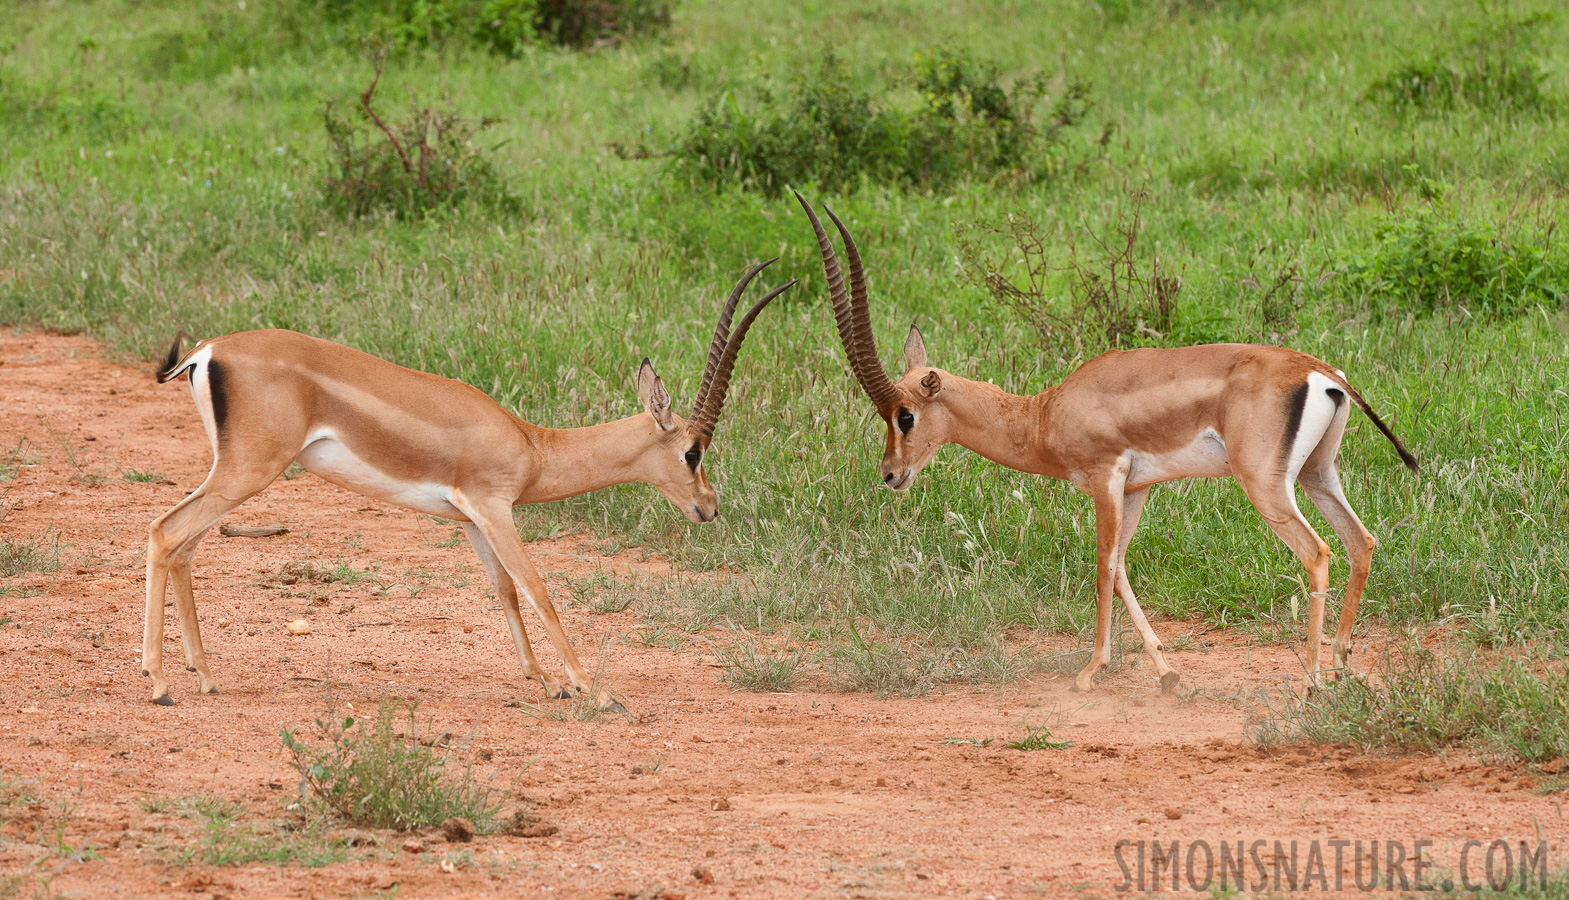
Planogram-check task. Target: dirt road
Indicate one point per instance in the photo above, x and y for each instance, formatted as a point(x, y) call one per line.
point(702, 792)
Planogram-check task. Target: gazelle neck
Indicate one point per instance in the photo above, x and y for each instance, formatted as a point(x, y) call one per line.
point(1005, 428)
point(577, 461)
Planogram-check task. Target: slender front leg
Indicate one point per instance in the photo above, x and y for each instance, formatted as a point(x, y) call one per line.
point(152, 622)
point(1108, 533)
point(1132, 508)
point(494, 520)
point(507, 593)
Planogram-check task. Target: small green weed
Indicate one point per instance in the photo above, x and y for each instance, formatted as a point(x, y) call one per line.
point(1427, 702)
point(1037, 737)
point(368, 774)
point(150, 476)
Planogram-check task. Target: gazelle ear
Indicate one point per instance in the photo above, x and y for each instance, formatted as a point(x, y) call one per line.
point(931, 384)
point(651, 391)
point(914, 350)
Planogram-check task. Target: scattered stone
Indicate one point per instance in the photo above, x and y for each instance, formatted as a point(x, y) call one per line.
point(1173, 813)
point(448, 867)
point(711, 853)
point(414, 845)
point(525, 823)
point(882, 782)
point(720, 804)
point(457, 830)
point(224, 623)
point(299, 626)
point(702, 875)
point(485, 754)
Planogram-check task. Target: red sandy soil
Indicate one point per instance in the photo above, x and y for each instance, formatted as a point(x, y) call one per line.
point(819, 794)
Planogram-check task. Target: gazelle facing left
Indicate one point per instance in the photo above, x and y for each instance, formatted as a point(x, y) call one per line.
point(431, 444)
point(1124, 422)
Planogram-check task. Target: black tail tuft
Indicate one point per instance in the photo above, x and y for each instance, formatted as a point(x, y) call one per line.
point(1405, 455)
point(171, 360)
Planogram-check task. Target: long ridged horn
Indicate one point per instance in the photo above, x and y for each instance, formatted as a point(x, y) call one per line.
point(861, 353)
point(716, 347)
point(882, 391)
point(714, 403)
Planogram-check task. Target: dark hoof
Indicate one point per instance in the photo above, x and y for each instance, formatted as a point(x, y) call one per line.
point(1074, 687)
point(563, 694)
point(212, 691)
point(146, 674)
point(1168, 682)
point(616, 707)
point(190, 668)
point(165, 700)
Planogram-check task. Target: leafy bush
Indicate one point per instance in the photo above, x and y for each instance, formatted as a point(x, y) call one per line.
point(1434, 260)
point(500, 26)
point(1427, 702)
point(823, 128)
point(1116, 299)
point(376, 776)
point(410, 168)
point(1493, 69)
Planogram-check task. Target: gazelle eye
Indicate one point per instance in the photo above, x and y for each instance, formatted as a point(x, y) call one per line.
point(906, 421)
point(693, 457)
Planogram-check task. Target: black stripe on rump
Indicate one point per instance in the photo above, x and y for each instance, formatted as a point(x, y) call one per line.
point(1294, 408)
point(220, 397)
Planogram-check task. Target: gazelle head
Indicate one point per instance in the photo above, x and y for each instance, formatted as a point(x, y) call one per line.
point(675, 458)
point(913, 407)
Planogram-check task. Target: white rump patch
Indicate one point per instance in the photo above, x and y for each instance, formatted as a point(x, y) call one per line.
point(1317, 413)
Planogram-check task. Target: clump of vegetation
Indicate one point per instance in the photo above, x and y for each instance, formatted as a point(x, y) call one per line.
point(504, 27)
point(1116, 297)
point(21, 556)
point(229, 838)
point(1037, 737)
point(1494, 68)
point(1427, 702)
point(1434, 260)
point(377, 775)
point(410, 168)
point(885, 669)
point(822, 127)
point(750, 667)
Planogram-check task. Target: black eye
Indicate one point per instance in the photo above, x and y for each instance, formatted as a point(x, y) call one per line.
point(906, 420)
point(693, 457)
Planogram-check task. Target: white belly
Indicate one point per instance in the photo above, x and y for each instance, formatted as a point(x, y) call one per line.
point(332, 461)
point(1205, 457)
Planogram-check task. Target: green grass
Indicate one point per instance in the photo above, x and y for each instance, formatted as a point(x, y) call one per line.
point(230, 837)
point(379, 774)
point(23, 556)
point(1428, 702)
point(1037, 737)
point(142, 193)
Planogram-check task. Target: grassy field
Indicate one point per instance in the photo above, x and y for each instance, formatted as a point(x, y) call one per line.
point(162, 168)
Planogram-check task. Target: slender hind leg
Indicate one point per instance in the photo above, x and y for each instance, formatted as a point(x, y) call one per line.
point(1132, 508)
point(506, 591)
point(171, 542)
point(1277, 503)
point(1321, 482)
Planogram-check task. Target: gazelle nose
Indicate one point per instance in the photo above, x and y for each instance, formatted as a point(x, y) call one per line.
point(887, 478)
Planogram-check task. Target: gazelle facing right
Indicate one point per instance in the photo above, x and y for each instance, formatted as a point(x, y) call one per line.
point(1124, 422)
